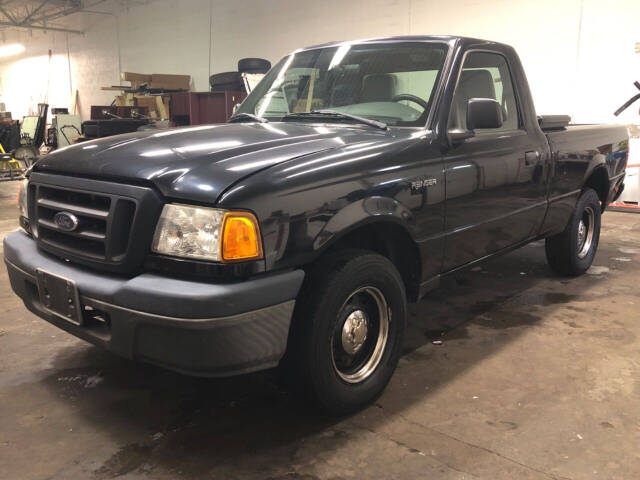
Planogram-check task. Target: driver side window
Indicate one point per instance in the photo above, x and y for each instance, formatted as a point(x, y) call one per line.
point(484, 75)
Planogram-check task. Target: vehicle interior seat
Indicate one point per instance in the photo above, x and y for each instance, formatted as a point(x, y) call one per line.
point(345, 86)
point(379, 87)
point(472, 84)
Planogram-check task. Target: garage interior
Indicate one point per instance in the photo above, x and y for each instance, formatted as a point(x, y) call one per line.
point(509, 371)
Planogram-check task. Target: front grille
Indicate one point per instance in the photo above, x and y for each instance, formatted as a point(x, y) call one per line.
point(95, 213)
point(107, 215)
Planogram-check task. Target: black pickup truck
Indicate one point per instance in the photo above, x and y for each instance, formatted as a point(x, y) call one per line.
point(349, 182)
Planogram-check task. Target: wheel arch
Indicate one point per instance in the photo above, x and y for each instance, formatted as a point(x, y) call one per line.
point(598, 180)
point(386, 234)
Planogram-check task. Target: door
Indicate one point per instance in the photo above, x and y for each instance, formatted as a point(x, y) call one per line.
point(495, 190)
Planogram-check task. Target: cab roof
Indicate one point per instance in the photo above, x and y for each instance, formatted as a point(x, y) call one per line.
point(450, 39)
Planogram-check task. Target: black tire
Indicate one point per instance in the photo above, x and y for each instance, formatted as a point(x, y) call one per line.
point(226, 81)
point(253, 65)
point(566, 253)
point(321, 312)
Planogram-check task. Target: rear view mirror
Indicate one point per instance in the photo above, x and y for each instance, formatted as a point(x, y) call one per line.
point(484, 113)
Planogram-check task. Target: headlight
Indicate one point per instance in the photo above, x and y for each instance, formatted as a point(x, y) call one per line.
point(207, 233)
point(22, 205)
point(22, 198)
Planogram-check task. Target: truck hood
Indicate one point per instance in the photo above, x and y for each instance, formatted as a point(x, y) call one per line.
point(199, 163)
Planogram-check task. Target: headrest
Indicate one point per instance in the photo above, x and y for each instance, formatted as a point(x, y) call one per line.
point(476, 84)
point(378, 87)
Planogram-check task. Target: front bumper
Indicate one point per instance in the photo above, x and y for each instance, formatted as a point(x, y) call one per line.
point(193, 327)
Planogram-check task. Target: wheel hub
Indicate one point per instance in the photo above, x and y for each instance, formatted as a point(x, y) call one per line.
point(358, 342)
point(585, 233)
point(354, 332)
point(582, 230)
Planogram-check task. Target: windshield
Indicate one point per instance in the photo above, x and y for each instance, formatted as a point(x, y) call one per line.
point(387, 82)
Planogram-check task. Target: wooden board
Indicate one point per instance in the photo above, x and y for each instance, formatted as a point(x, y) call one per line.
point(161, 108)
point(117, 88)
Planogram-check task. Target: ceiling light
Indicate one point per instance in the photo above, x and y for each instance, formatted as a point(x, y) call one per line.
point(13, 49)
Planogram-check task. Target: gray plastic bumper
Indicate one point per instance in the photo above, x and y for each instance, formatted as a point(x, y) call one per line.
point(190, 326)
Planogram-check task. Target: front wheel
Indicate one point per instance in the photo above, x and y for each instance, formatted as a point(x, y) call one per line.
point(572, 251)
point(348, 329)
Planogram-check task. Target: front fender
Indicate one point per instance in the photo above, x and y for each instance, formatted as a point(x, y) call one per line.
point(362, 212)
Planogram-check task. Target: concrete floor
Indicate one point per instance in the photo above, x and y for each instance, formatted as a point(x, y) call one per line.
point(537, 378)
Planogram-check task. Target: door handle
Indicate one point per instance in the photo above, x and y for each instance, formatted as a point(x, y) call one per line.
point(531, 158)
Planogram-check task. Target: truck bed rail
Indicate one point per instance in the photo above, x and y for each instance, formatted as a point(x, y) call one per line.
point(553, 122)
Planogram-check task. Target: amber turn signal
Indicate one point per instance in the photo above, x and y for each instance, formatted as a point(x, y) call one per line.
point(240, 237)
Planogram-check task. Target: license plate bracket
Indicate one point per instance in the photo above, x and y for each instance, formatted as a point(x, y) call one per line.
point(59, 296)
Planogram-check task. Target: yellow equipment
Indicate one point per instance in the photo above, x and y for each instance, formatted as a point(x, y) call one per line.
point(10, 168)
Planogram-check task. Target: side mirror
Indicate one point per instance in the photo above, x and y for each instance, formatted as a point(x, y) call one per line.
point(235, 108)
point(458, 135)
point(484, 113)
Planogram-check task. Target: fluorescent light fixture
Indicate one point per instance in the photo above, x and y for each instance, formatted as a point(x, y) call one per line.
point(13, 49)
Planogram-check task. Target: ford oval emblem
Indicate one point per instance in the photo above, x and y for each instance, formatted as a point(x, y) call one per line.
point(66, 221)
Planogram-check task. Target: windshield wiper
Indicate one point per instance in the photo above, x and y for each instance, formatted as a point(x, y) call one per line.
point(238, 117)
point(336, 114)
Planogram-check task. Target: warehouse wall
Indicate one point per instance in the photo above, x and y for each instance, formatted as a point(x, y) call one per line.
point(579, 54)
point(77, 63)
point(36, 78)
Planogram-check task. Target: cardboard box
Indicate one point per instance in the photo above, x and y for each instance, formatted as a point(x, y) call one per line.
point(160, 81)
point(138, 78)
point(170, 82)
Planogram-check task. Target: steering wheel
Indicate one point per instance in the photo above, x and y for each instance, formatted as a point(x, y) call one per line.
point(411, 98)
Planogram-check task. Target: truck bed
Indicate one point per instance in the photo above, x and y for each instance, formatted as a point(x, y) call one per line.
point(577, 151)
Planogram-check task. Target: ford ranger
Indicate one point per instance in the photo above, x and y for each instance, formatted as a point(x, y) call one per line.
point(352, 179)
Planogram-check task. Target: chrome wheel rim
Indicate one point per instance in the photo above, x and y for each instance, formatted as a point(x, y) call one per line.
point(360, 337)
point(354, 331)
point(585, 232)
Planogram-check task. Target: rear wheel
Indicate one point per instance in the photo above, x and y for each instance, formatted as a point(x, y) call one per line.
point(348, 330)
point(572, 251)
